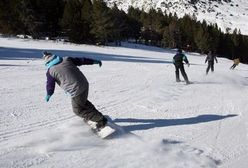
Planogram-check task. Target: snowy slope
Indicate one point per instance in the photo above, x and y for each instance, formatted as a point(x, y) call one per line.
point(166, 124)
point(233, 14)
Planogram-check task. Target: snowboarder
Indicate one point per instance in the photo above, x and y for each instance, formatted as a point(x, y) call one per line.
point(64, 72)
point(210, 59)
point(235, 63)
point(178, 60)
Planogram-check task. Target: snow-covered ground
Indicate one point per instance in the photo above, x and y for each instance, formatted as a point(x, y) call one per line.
point(167, 124)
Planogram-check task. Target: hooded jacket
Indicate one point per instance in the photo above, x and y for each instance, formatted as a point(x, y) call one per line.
point(67, 75)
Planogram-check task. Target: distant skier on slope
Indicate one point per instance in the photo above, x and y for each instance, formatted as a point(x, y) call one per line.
point(210, 59)
point(236, 61)
point(64, 71)
point(178, 60)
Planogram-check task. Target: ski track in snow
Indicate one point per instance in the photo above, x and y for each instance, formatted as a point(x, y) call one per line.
point(166, 124)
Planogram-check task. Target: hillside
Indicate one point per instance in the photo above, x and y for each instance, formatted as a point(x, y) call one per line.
point(228, 14)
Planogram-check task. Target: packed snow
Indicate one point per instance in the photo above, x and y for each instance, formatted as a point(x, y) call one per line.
point(164, 123)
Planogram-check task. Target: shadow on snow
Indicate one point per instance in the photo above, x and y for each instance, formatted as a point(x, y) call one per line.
point(25, 54)
point(14, 65)
point(152, 123)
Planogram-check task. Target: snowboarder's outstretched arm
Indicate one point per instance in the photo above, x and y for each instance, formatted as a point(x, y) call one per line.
point(84, 61)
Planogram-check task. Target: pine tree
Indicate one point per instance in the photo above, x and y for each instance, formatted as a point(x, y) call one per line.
point(120, 28)
point(225, 48)
point(76, 20)
point(102, 22)
point(202, 38)
point(188, 28)
point(237, 43)
point(86, 17)
point(134, 24)
point(71, 20)
point(9, 17)
point(49, 13)
point(28, 16)
point(243, 49)
point(172, 36)
point(214, 35)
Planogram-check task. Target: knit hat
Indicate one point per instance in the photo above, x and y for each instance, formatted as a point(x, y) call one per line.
point(47, 56)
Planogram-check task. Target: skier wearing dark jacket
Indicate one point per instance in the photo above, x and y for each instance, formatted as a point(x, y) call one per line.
point(178, 60)
point(64, 72)
point(210, 59)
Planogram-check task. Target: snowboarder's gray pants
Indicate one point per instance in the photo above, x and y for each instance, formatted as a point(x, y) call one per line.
point(85, 109)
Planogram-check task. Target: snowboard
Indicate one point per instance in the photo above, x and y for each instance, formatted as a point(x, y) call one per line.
point(104, 132)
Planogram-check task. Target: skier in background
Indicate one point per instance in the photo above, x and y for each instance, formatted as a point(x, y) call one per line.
point(210, 59)
point(64, 72)
point(236, 61)
point(178, 60)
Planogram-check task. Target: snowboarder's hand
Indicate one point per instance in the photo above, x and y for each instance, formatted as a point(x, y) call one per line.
point(98, 62)
point(188, 64)
point(47, 98)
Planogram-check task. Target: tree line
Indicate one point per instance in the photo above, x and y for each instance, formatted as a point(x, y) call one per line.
point(93, 22)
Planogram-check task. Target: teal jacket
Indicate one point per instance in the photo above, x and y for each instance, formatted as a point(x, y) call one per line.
point(179, 58)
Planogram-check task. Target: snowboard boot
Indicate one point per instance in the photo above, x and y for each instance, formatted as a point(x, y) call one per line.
point(101, 124)
point(92, 124)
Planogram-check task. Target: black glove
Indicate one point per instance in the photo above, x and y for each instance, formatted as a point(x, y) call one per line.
point(98, 62)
